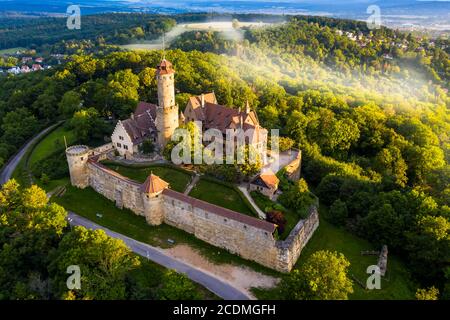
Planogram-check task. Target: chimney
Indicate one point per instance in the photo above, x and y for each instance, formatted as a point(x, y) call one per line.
point(132, 116)
point(203, 100)
point(247, 107)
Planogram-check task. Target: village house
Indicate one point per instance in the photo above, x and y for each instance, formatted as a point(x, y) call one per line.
point(129, 134)
point(265, 183)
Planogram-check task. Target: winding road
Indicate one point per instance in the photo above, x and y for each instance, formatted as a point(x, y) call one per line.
point(218, 286)
point(9, 168)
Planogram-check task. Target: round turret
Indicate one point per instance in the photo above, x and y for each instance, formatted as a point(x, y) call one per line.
point(77, 157)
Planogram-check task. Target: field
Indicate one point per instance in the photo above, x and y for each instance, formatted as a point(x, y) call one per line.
point(11, 50)
point(177, 178)
point(221, 195)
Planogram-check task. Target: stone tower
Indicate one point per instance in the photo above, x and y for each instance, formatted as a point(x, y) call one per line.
point(167, 111)
point(77, 157)
point(151, 190)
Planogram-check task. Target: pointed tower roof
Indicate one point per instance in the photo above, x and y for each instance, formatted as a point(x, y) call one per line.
point(165, 67)
point(153, 184)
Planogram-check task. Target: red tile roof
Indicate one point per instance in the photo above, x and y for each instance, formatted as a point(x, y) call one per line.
point(164, 67)
point(226, 213)
point(269, 179)
point(153, 184)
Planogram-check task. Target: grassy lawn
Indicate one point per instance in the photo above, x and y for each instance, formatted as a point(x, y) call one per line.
point(395, 285)
point(88, 203)
point(177, 179)
point(52, 143)
point(221, 195)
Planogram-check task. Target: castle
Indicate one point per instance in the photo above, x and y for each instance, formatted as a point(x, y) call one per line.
point(249, 237)
point(157, 123)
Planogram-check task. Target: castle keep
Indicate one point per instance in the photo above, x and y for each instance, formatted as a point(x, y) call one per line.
point(251, 238)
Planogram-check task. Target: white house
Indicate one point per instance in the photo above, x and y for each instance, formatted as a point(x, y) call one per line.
point(130, 133)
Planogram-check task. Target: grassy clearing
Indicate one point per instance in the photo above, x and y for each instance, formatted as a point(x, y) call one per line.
point(395, 285)
point(53, 142)
point(177, 179)
point(221, 195)
point(88, 203)
point(12, 50)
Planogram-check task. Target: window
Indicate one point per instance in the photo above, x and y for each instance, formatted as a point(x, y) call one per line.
point(125, 147)
point(120, 138)
point(119, 145)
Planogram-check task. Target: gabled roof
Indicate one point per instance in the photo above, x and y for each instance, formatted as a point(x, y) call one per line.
point(153, 184)
point(142, 123)
point(267, 179)
point(214, 115)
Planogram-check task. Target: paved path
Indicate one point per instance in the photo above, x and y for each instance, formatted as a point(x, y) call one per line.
point(206, 279)
point(216, 285)
point(244, 190)
point(192, 184)
point(9, 168)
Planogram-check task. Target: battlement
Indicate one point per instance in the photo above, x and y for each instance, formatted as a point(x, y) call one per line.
point(77, 150)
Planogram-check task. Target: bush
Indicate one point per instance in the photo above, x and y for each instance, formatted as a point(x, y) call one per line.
point(147, 147)
point(51, 168)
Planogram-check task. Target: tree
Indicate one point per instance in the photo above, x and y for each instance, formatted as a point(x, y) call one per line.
point(176, 286)
point(87, 124)
point(286, 143)
point(104, 263)
point(297, 196)
point(251, 163)
point(70, 102)
point(338, 212)
point(123, 87)
point(323, 276)
point(18, 125)
point(147, 146)
point(30, 229)
point(431, 293)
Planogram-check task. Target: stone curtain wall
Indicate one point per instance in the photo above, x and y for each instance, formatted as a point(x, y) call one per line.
point(252, 241)
point(125, 193)
point(237, 237)
point(289, 250)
